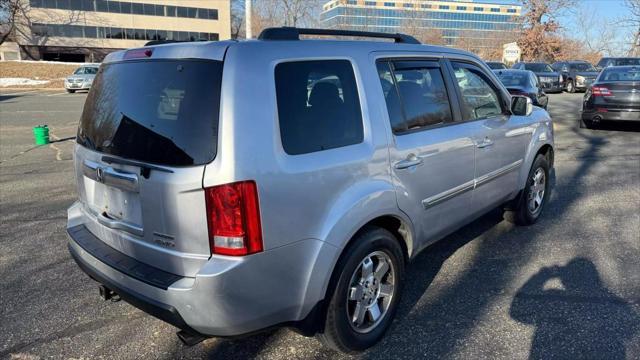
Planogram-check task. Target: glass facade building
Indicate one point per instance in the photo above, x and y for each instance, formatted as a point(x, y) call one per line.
point(454, 19)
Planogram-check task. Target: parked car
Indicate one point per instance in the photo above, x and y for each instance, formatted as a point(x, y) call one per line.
point(617, 61)
point(550, 79)
point(304, 208)
point(525, 83)
point(615, 95)
point(81, 79)
point(495, 65)
point(576, 75)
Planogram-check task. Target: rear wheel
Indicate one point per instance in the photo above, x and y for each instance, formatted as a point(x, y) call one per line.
point(366, 294)
point(534, 195)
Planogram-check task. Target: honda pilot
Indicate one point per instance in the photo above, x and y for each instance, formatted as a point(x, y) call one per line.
point(229, 187)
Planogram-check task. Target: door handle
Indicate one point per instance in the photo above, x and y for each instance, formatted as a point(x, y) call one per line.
point(410, 161)
point(484, 143)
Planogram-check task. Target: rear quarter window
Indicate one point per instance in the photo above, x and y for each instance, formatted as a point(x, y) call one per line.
point(318, 105)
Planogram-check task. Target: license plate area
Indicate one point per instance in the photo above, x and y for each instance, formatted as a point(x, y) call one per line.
point(113, 197)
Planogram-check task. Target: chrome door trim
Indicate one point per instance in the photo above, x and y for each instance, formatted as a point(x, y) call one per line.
point(448, 194)
point(469, 185)
point(110, 176)
point(497, 173)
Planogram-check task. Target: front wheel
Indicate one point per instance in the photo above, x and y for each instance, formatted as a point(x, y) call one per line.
point(534, 195)
point(570, 87)
point(366, 294)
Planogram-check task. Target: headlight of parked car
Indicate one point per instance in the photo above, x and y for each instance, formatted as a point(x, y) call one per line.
point(580, 78)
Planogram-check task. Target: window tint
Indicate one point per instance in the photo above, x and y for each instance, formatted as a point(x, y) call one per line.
point(479, 98)
point(318, 105)
point(154, 111)
point(415, 94)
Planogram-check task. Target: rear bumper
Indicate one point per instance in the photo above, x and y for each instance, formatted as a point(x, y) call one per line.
point(229, 296)
point(612, 115)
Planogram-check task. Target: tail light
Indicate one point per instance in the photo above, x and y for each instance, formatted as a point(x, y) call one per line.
point(600, 91)
point(233, 216)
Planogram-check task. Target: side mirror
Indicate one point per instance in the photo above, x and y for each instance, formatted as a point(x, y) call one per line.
point(521, 105)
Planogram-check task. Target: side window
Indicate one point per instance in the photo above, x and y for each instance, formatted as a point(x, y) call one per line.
point(479, 98)
point(415, 94)
point(318, 105)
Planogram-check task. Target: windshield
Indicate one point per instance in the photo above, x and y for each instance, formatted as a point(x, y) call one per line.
point(627, 61)
point(511, 80)
point(582, 67)
point(621, 74)
point(156, 111)
point(538, 67)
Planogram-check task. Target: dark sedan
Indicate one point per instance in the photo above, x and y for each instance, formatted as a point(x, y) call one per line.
point(550, 79)
point(496, 65)
point(615, 95)
point(523, 82)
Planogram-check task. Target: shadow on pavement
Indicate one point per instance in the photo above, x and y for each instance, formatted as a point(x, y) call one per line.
point(574, 314)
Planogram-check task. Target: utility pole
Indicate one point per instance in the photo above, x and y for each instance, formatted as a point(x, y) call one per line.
point(247, 18)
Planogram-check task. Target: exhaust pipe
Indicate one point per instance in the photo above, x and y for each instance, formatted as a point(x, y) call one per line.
point(189, 339)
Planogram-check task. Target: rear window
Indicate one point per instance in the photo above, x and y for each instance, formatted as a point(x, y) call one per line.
point(318, 106)
point(621, 74)
point(538, 67)
point(157, 111)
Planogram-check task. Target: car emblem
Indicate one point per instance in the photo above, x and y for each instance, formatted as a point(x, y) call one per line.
point(100, 174)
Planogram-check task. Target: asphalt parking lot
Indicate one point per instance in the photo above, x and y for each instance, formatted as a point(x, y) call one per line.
point(565, 287)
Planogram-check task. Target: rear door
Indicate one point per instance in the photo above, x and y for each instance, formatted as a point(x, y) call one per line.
point(500, 141)
point(147, 131)
point(432, 155)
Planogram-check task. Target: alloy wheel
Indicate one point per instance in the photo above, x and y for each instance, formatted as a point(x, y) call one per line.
point(370, 292)
point(536, 191)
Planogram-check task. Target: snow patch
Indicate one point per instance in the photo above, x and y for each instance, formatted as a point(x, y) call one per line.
point(4, 82)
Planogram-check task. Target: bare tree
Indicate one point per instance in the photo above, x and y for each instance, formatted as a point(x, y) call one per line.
point(540, 38)
point(270, 13)
point(632, 22)
point(421, 29)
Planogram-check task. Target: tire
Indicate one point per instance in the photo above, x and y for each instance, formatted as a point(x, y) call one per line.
point(526, 213)
point(585, 124)
point(571, 88)
point(70, 91)
point(340, 332)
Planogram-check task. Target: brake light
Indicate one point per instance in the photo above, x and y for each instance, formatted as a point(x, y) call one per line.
point(233, 216)
point(137, 54)
point(600, 91)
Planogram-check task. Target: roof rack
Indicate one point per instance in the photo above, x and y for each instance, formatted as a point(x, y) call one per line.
point(293, 33)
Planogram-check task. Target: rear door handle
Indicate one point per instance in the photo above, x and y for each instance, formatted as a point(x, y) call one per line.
point(410, 161)
point(484, 143)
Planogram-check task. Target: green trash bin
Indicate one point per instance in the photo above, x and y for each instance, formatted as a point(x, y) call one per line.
point(41, 134)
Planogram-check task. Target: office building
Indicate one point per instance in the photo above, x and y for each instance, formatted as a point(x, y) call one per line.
point(453, 19)
point(87, 30)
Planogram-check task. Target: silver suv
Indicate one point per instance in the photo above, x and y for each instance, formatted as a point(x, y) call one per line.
point(227, 187)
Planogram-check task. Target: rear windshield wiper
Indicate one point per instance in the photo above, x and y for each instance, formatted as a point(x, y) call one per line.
point(145, 169)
